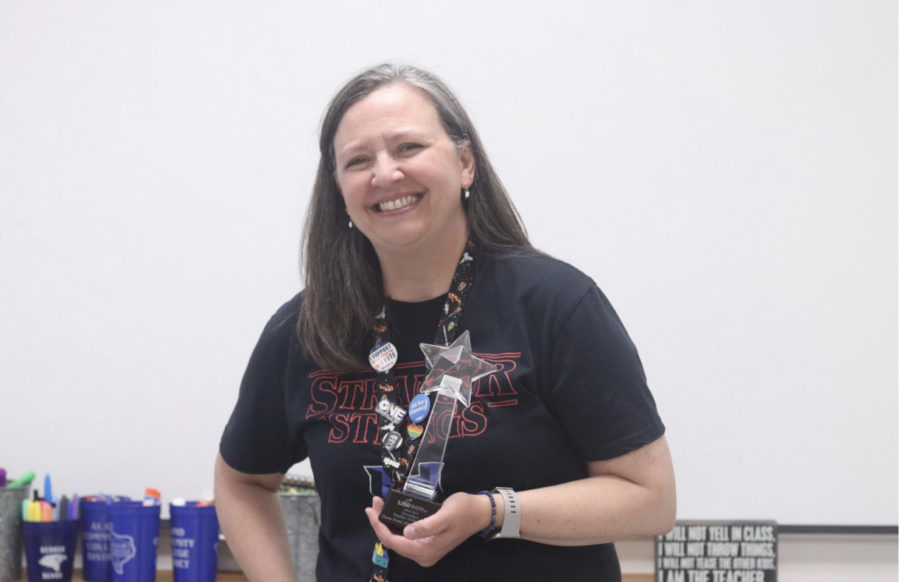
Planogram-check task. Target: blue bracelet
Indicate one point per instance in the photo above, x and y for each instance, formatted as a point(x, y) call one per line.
point(489, 530)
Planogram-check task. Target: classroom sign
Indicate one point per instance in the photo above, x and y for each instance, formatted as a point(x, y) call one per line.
point(718, 552)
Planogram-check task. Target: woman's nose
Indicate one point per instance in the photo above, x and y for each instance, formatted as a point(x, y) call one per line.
point(385, 171)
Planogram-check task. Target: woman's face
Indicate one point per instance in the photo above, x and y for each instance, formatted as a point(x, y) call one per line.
point(399, 172)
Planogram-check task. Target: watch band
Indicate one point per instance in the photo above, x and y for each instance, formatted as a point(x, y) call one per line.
point(512, 514)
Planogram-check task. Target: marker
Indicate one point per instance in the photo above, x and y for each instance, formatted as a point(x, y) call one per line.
point(62, 508)
point(151, 497)
point(48, 490)
point(207, 498)
point(2, 477)
point(74, 507)
point(25, 479)
point(46, 511)
point(26, 505)
point(34, 511)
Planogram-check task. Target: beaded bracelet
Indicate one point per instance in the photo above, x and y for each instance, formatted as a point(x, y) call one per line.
point(489, 530)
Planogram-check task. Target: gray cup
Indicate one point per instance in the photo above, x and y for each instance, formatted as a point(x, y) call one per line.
point(10, 531)
point(301, 514)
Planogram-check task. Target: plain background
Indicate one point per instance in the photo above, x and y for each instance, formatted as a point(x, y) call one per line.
point(725, 171)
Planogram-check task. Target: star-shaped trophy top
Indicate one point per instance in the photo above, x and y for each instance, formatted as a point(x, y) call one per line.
point(455, 361)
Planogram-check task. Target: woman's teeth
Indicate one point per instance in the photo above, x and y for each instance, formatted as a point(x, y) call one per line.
point(397, 204)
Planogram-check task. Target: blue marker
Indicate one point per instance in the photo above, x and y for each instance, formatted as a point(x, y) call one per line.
point(48, 490)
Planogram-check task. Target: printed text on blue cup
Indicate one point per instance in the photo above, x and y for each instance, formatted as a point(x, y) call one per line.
point(181, 548)
point(96, 541)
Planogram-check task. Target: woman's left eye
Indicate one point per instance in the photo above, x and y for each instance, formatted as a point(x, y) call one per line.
point(409, 147)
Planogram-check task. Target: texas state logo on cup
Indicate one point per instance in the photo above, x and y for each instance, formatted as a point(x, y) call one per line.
point(122, 550)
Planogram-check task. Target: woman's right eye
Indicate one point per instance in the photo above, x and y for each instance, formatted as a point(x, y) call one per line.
point(353, 162)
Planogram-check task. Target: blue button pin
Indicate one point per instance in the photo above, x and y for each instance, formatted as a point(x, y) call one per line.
point(419, 407)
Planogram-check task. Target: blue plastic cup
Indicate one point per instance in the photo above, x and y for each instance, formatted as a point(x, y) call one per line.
point(133, 539)
point(95, 541)
point(195, 542)
point(50, 549)
point(95, 555)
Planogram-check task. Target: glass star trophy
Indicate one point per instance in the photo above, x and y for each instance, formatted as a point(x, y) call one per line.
point(452, 369)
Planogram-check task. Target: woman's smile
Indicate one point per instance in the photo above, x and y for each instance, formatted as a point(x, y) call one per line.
point(389, 206)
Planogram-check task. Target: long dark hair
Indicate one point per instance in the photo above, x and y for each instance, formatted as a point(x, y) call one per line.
point(343, 277)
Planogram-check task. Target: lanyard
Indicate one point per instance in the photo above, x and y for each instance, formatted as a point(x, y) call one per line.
point(398, 447)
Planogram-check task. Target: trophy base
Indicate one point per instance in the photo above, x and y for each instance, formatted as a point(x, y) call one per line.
point(401, 509)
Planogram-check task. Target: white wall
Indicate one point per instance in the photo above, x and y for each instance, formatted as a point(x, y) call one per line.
point(726, 171)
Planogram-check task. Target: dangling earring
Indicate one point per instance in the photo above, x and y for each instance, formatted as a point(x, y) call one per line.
point(466, 194)
point(350, 225)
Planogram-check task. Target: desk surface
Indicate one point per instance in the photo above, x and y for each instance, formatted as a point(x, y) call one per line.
point(166, 576)
point(163, 576)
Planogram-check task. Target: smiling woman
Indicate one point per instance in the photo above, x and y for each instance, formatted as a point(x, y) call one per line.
point(558, 447)
point(401, 178)
point(341, 266)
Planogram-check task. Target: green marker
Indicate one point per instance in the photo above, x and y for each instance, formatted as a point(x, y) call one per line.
point(25, 479)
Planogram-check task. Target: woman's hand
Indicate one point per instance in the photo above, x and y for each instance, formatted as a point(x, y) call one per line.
point(428, 540)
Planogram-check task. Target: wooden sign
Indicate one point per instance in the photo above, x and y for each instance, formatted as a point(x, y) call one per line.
point(718, 551)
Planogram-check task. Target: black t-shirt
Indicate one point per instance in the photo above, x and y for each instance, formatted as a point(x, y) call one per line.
point(570, 389)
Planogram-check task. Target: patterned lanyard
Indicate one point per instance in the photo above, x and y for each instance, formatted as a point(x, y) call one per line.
point(398, 448)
